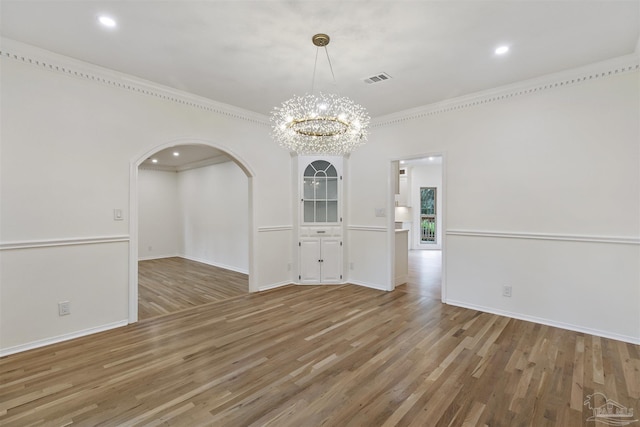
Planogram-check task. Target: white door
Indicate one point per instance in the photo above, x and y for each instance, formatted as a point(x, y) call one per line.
point(331, 265)
point(310, 260)
point(320, 260)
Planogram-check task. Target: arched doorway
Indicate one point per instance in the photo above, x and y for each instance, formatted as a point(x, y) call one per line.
point(134, 212)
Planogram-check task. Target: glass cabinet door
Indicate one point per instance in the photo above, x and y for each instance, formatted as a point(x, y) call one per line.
point(320, 193)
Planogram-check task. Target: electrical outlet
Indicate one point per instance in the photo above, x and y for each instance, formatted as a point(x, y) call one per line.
point(350, 266)
point(289, 267)
point(506, 291)
point(150, 248)
point(64, 308)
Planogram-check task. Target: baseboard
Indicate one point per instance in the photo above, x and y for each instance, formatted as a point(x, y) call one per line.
point(60, 338)
point(369, 285)
point(547, 322)
point(274, 286)
point(215, 264)
point(401, 280)
point(149, 258)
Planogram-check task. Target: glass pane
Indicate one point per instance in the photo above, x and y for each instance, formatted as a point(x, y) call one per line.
point(308, 212)
point(428, 200)
point(321, 211)
point(332, 171)
point(332, 211)
point(321, 188)
point(309, 186)
point(321, 165)
point(309, 171)
point(332, 188)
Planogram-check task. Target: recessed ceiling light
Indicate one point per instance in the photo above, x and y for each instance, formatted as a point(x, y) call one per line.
point(175, 153)
point(107, 21)
point(154, 160)
point(431, 158)
point(501, 50)
point(402, 162)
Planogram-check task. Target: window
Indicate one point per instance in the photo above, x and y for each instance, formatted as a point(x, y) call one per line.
point(428, 215)
point(320, 193)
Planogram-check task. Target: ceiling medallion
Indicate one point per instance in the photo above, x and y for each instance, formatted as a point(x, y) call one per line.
point(322, 123)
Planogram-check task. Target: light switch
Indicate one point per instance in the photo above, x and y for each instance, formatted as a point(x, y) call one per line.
point(117, 215)
point(380, 212)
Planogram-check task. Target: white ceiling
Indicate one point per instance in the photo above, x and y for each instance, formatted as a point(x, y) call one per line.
point(188, 157)
point(256, 54)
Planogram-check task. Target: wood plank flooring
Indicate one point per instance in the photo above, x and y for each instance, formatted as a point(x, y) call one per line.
point(167, 285)
point(425, 273)
point(320, 355)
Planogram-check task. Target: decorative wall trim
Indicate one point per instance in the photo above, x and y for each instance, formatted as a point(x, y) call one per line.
point(61, 64)
point(150, 258)
point(216, 264)
point(376, 286)
point(599, 70)
point(30, 244)
point(60, 338)
point(542, 321)
point(274, 286)
point(542, 236)
point(275, 228)
point(377, 229)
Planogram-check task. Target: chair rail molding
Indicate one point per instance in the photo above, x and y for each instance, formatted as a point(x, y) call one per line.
point(542, 236)
point(72, 241)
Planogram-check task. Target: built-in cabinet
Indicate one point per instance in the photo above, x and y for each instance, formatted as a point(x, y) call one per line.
point(321, 260)
point(320, 228)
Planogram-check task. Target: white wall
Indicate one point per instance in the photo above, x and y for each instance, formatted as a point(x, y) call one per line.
point(70, 133)
point(542, 193)
point(214, 216)
point(159, 226)
point(200, 214)
point(426, 176)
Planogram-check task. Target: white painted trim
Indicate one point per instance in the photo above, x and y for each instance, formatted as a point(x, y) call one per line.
point(547, 322)
point(275, 228)
point(150, 258)
point(401, 280)
point(274, 286)
point(608, 68)
point(369, 285)
point(60, 338)
point(73, 241)
point(215, 264)
point(543, 236)
point(377, 229)
point(133, 214)
point(54, 62)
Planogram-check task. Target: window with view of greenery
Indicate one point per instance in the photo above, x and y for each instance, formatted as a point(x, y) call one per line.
point(427, 215)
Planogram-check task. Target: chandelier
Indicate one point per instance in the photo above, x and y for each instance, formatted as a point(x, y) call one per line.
point(322, 123)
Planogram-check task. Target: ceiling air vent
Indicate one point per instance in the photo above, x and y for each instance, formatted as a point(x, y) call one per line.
point(377, 78)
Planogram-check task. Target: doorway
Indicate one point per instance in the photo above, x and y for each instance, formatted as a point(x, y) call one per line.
point(419, 208)
point(191, 226)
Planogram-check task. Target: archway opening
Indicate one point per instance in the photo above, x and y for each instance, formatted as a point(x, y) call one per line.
point(191, 228)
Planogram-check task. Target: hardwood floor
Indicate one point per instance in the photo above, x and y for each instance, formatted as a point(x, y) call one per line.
point(320, 355)
point(425, 273)
point(168, 285)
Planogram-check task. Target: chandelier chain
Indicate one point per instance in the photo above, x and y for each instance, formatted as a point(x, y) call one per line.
point(330, 65)
point(313, 80)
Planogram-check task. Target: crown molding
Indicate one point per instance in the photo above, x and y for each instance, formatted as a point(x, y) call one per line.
point(598, 70)
point(54, 62)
